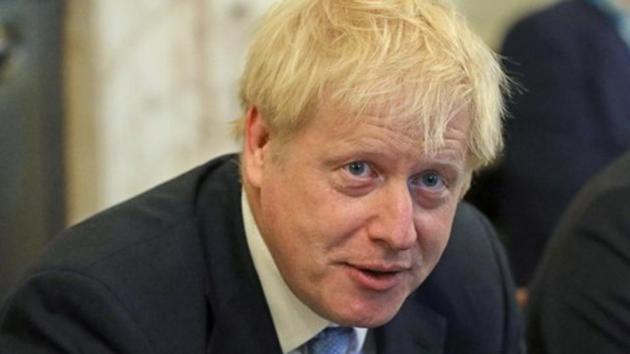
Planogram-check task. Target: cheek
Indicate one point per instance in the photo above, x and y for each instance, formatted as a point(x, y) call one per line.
point(341, 221)
point(299, 213)
point(321, 205)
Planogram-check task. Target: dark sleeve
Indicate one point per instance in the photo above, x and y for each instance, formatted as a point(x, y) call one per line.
point(67, 312)
point(472, 287)
point(549, 118)
point(581, 299)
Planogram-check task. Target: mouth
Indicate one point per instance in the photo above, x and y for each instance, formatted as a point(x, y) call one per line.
point(376, 278)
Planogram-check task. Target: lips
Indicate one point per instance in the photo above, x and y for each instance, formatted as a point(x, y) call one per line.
point(377, 277)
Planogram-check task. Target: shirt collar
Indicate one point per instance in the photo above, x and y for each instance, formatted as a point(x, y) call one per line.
point(295, 323)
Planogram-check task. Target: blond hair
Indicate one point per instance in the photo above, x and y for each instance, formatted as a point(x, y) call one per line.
point(412, 58)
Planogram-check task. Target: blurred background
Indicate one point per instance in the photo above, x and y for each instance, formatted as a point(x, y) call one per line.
point(102, 99)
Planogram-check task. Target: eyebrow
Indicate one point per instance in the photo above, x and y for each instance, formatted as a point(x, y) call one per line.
point(375, 147)
point(453, 169)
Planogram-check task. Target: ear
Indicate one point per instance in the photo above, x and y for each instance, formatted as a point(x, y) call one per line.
point(256, 146)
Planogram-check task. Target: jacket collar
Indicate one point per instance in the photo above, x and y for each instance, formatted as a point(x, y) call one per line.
point(239, 319)
point(415, 329)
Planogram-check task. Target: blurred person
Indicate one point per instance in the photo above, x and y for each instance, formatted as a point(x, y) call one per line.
point(580, 301)
point(571, 119)
point(363, 123)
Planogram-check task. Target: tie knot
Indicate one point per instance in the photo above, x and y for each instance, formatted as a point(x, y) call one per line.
point(333, 340)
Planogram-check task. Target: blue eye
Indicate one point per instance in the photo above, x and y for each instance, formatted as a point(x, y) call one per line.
point(431, 180)
point(358, 168)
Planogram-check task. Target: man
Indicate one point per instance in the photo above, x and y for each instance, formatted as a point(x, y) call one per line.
point(580, 297)
point(571, 119)
point(363, 122)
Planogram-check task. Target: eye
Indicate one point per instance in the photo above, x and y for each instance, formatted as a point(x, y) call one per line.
point(429, 180)
point(359, 169)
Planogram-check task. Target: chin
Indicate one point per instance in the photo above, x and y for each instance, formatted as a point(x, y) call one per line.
point(366, 320)
point(368, 315)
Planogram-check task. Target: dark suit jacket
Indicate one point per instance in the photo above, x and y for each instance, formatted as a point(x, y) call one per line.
point(571, 119)
point(170, 272)
point(580, 301)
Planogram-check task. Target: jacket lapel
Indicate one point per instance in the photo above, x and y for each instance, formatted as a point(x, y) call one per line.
point(239, 319)
point(415, 329)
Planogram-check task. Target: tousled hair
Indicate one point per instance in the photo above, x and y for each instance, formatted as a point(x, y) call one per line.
point(395, 58)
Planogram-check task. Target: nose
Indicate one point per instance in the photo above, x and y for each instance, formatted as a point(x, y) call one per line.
point(393, 222)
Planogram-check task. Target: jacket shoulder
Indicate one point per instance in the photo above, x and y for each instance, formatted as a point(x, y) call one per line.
point(143, 260)
point(472, 287)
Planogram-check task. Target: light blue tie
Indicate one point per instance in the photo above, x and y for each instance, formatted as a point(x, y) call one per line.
point(333, 340)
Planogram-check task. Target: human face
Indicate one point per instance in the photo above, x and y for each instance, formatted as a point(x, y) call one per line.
point(355, 215)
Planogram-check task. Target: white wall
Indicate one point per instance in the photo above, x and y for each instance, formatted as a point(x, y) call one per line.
point(151, 89)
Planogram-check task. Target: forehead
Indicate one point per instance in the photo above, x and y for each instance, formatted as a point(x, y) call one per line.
point(401, 135)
